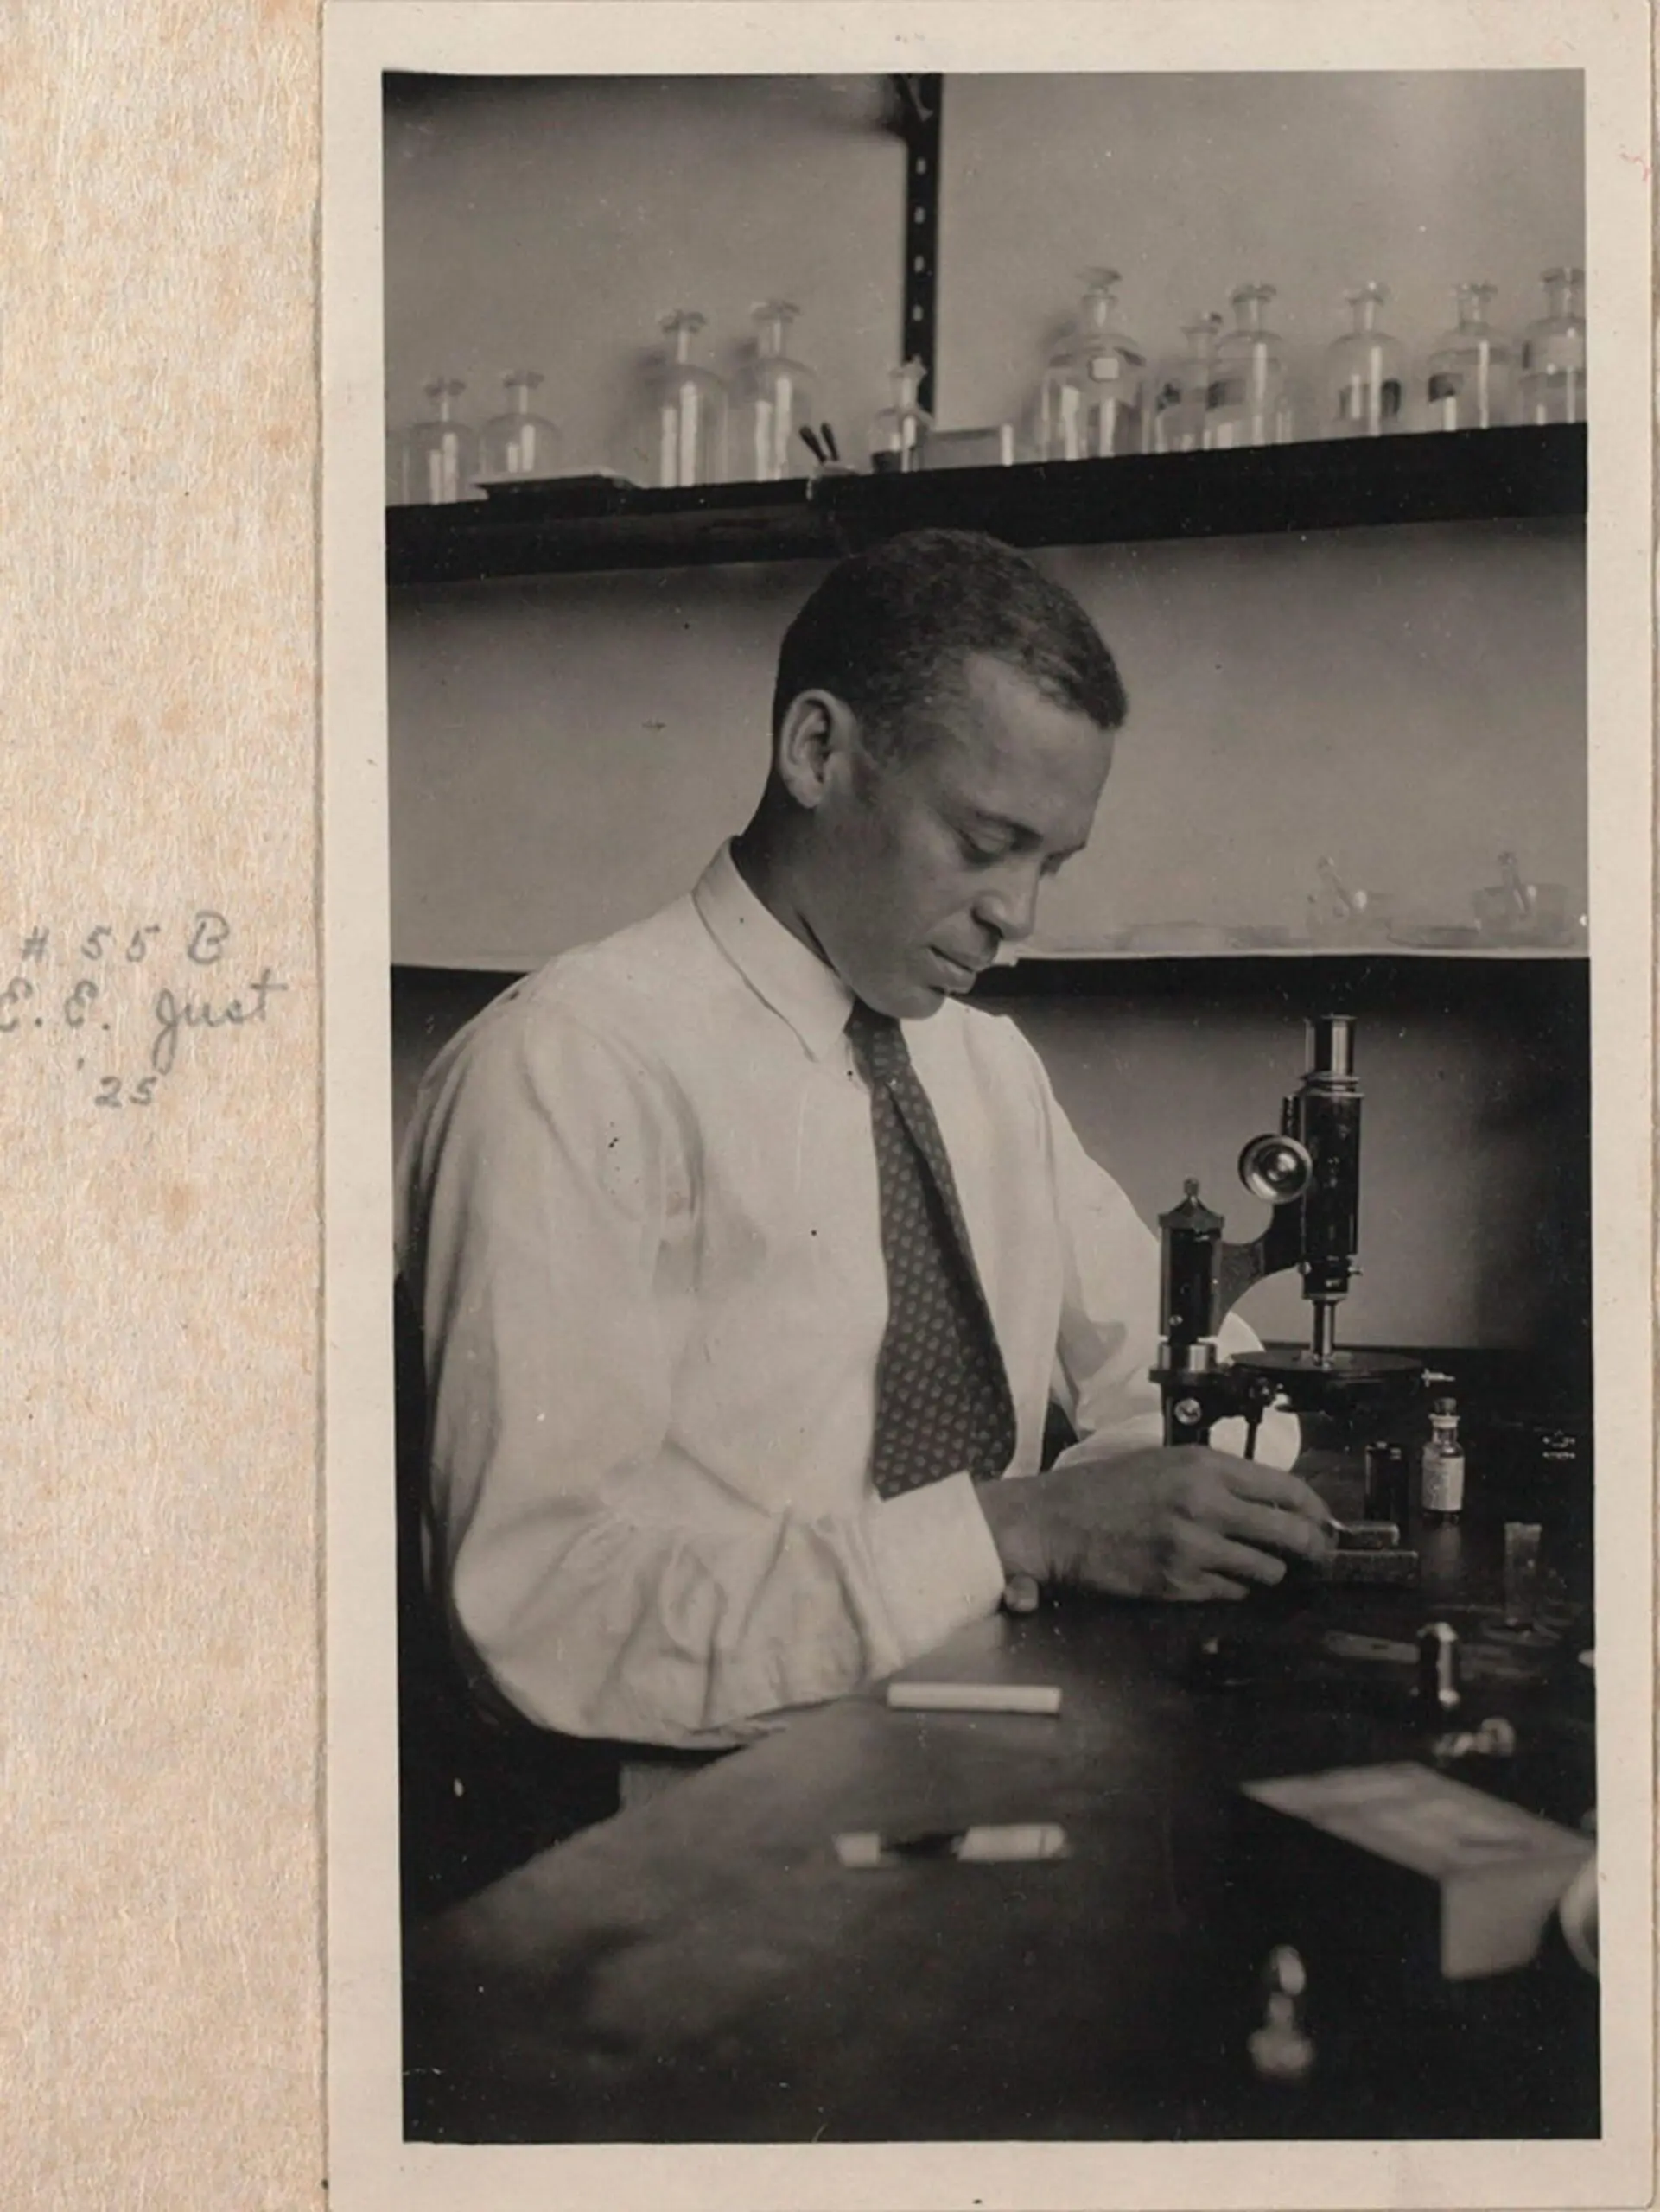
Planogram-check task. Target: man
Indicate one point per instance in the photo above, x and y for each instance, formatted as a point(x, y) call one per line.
point(748, 1259)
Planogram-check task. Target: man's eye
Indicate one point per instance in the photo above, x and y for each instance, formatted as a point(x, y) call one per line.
point(978, 849)
point(1054, 863)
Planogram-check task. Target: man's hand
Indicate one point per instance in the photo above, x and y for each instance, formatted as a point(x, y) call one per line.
point(1178, 1521)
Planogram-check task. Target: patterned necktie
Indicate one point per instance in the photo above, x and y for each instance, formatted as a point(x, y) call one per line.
point(942, 1402)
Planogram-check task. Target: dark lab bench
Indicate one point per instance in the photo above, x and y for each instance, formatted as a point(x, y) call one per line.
point(701, 1969)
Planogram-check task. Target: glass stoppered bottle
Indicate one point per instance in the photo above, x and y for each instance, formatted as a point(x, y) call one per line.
point(1552, 383)
point(441, 455)
point(1181, 389)
point(1092, 401)
point(520, 442)
point(1366, 372)
point(688, 409)
point(1468, 376)
point(1249, 404)
point(899, 434)
point(774, 400)
point(1441, 1494)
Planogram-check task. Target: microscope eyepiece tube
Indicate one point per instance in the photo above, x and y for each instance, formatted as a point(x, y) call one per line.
point(1330, 1045)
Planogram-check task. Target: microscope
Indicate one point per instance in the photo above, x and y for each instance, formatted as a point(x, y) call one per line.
point(1309, 1172)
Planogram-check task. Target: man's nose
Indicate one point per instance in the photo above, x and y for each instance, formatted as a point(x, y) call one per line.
point(1009, 907)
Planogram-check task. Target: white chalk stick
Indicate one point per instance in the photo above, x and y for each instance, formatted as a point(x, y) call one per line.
point(1020, 1842)
point(972, 1697)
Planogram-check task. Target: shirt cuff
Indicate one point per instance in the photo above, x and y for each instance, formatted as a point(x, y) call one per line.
point(1138, 1434)
point(936, 1564)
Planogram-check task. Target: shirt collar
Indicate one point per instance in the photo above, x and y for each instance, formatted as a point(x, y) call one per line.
point(790, 977)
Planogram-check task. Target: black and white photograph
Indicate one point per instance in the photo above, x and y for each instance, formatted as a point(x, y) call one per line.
point(991, 909)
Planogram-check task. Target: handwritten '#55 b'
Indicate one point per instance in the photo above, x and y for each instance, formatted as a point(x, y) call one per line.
point(174, 1012)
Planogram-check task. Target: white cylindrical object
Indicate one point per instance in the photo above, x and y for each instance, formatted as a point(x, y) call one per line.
point(1018, 1843)
point(1025, 1840)
point(972, 1697)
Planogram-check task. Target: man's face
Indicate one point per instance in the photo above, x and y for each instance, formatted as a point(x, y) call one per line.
point(927, 862)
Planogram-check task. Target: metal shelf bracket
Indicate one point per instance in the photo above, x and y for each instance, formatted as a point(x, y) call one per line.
point(921, 100)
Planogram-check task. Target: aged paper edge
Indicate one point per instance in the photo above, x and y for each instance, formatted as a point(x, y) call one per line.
point(370, 2167)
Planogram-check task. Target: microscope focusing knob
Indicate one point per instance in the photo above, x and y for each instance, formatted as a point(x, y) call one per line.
point(1276, 1168)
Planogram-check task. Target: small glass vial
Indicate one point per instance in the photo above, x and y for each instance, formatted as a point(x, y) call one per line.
point(1366, 372)
point(441, 456)
point(774, 402)
point(1092, 401)
point(1468, 376)
point(1248, 404)
point(1552, 386)
point(899, 434)
point(1441, 1491)
point(1387, 1483)
point(688, 409)
point(520, 442)
point(1181, 392)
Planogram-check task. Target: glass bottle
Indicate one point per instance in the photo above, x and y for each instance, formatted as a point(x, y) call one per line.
point(1092, 402)
point(1182, 391)
point(1467, 376)
point(774, 402)
point(1387, 1481)
point(1442, 1492)
point(1248, 404)
point(899, 435)
point(688, 409)
point(441, 456)
point(520, 443)
point(1553, 353)
point(1366, 372)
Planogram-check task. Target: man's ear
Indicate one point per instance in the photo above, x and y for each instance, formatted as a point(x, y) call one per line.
point(817, 741)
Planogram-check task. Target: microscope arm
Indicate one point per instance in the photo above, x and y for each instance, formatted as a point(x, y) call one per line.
point(1239, 1265)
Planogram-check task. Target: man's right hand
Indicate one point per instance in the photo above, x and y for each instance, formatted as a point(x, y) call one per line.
point(1179, 1521)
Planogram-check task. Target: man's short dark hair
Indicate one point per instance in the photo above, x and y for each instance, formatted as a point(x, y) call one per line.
point(888, 632)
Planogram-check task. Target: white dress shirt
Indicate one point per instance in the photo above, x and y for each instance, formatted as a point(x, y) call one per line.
point(639, 1218)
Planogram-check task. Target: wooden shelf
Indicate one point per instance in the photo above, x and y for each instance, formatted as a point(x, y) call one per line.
point(1071, 956)
point(1386, 976)
point(1462, 476)
point(1079, 971)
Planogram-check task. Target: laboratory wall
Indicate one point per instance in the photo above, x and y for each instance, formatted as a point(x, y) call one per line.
point(1409, 703)
point(1475, 1215)
point(1190, 184)
point(565, 754)
point(543, 224)
point(548, 223)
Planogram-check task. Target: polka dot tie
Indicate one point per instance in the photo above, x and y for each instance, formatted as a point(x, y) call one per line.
point(943, 1402)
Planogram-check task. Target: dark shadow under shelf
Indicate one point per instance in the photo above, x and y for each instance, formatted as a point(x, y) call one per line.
point(1462, 476)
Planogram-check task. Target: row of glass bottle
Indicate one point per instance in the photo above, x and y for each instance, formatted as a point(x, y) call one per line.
point(1096, 398)
point(772, 414)
point(1228, 390)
